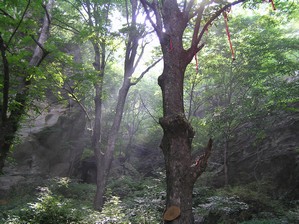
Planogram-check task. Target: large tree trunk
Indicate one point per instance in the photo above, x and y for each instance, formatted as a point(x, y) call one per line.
point(176, 146)
point(171, 20)
point(9, 123)
point(181, 169)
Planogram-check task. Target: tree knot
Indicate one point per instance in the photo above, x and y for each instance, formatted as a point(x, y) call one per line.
point(176, 123)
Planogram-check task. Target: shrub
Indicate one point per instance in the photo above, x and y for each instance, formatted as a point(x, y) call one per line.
point(113, 212)
point(48, 209)
point(255, 195)
point(264, 221)
point(143, 200)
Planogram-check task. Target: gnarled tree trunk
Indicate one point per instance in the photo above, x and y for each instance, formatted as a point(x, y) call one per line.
point(182, 170)
point(172, 17)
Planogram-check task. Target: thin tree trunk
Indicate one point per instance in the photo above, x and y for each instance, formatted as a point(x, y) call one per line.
point(4, 147)
point(225, 162)
point(105, 159)
point(9, 124)
point(96, 136)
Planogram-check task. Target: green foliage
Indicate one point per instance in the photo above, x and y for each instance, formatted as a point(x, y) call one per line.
point(264, 221)
point(87, 152)
point(258, 195)
point(239, 204)
point(47, 209)
point(129, 200)
point(62, 200)
point(58, 201)
point(226, 96)
point(113, 212)
point(222, 96)
point(224, 209)
point(143, 200)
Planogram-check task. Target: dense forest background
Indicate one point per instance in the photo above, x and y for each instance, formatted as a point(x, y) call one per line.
point(81, 113)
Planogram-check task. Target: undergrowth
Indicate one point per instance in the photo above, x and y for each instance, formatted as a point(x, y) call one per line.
point(139, 201)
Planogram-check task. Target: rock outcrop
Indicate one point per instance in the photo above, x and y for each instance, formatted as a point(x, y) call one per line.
point(50, 145)
point(272, 156)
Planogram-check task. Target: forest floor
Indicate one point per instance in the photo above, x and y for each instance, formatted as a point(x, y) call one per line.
point(140, 201)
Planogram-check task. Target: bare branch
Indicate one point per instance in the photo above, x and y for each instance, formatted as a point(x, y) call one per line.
point(45, 52)
point(196, 39)
point(78, 9)
point(70, 91)
point(146, 71)
point(197, 24)
point(139, 57)
point(157, 27)
point(6, 14)
point(73, 29)
point(40, 53)
point(143, 104)
point(47, 14)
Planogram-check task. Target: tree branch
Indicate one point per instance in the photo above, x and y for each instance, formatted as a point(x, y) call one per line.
point(187, 7)
point(200, 163)
point(6, 14)
point(45, 52)
point(73, 29)
point(75, 98)
point(21, 20)
point(197, 38)
point(40, 52)
point(197, 23)
point(143, 104)
point(139, 57)
point(145, 71)
point(157, 27)
point(72, 4)
point(47, 14)
point(216, 14)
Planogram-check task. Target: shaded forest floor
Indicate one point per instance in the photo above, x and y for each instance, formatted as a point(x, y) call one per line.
point(141, 201)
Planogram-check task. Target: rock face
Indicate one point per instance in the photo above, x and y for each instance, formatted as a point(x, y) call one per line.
point(51, 145)
point(271, 156)
point(54, 144)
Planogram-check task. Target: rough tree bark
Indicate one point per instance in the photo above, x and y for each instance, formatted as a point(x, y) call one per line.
point(10, 121)
point(171, 21)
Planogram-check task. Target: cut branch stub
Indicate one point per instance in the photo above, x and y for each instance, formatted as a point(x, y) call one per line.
point(172, 213)
point(200, 163)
